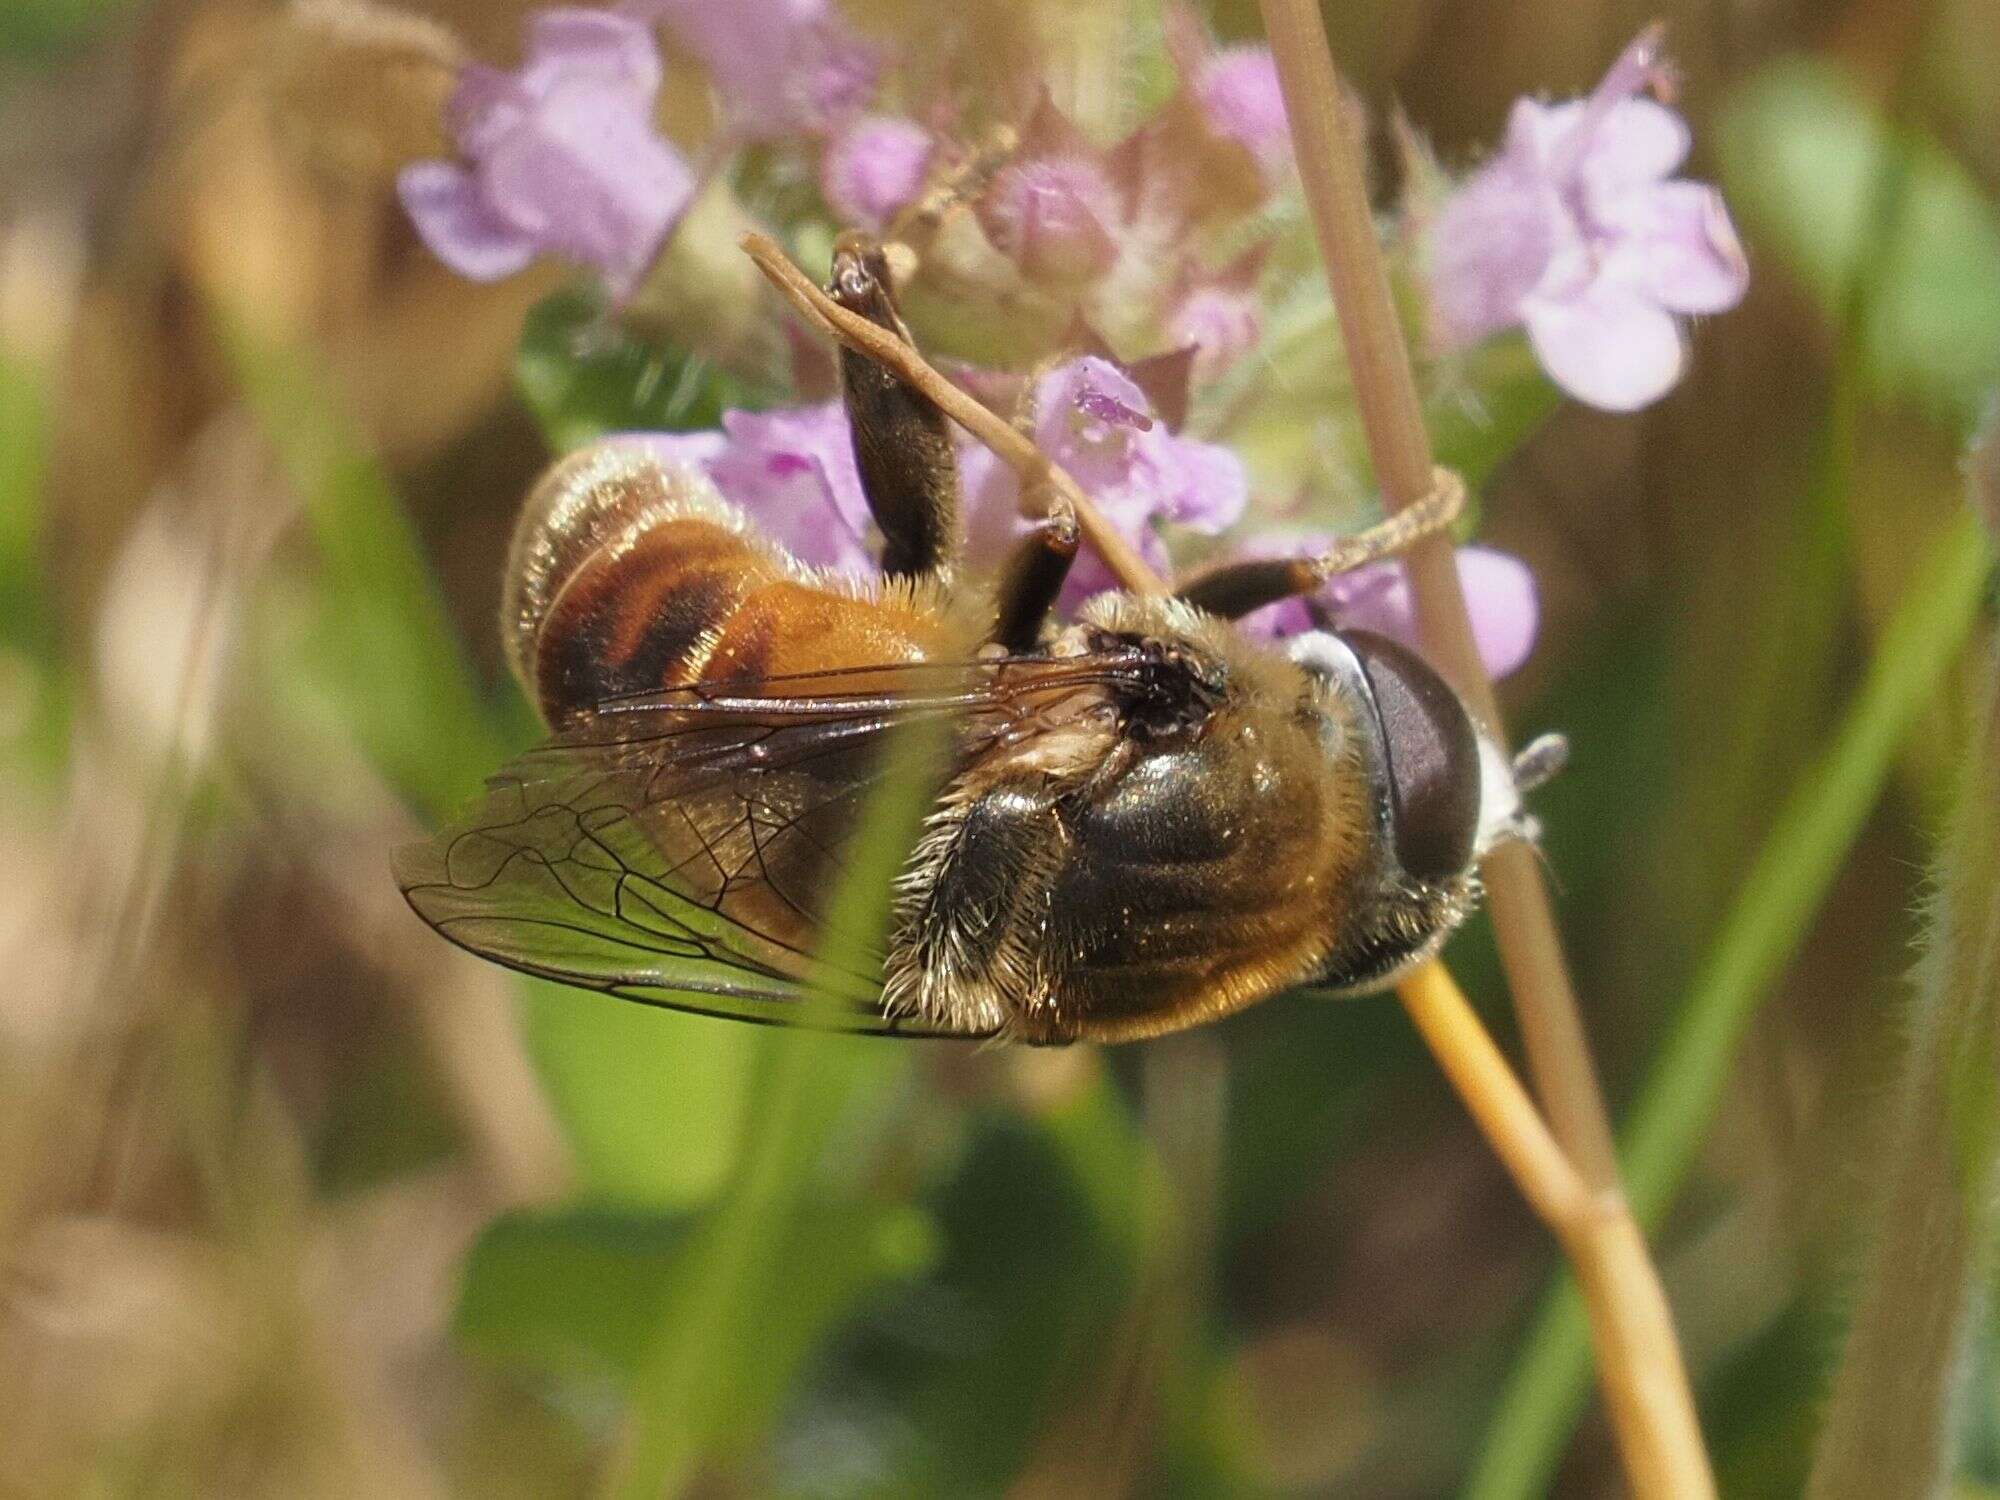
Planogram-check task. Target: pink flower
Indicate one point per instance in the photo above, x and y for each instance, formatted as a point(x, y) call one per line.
point(778, 65)
point(559, 157)
point(1091, 418)
point(1499, 595)
point(790, 471)
point(1237, 91)
point(1219, 323)
point(1577, 231)
point(1218, 314)
point(874, 169)
point(1053, 217)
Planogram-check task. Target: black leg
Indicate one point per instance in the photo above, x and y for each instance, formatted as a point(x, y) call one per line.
point(1031, 580)
point(902, 442)
point(1233, 590)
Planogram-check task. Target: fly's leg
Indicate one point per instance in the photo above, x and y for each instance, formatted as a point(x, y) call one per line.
point(969, 951)
point(1233, 590)
point(902, 442)
point(1031, 580)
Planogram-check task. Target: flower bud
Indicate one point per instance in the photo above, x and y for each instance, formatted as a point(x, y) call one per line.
point(1220, 323)
point(1237, 91)
point(874, 169)
point(1053, 218)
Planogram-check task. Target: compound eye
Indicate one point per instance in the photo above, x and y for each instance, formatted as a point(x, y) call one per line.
point(1433, 758)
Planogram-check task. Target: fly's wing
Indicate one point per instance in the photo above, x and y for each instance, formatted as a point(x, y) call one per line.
point(676, 848)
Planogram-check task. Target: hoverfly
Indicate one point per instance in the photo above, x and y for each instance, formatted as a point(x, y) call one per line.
point(1149, 821)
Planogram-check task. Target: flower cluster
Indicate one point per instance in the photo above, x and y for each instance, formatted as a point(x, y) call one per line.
point(1154, 238)
point(794, 470)
point(561, 157)
point(1094, 419)
point(1578, 231)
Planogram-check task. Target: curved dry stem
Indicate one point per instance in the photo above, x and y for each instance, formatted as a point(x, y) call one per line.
point(1038, 473)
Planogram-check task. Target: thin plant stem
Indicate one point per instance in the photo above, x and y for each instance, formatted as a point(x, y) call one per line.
point(1325, 135)
point(1810, 838)
point(1640, 1367)
point(1479, 1072)
point(1630, 1319)
point(1324, 132)
point(1899, 1391)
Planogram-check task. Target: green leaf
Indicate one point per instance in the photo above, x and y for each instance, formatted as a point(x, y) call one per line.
point(1804, 160)
point(584, 375)
point(382, 642)
point(653, 1103)
point(32, 672)
point(51, 31)
point(1024, 1330)
point(581, 1293)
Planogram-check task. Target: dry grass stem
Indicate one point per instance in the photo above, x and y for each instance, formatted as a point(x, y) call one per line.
point(1640, 1367)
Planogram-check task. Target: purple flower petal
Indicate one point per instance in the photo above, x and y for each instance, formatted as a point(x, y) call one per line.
point(1676, 241)
point(1486, 253)
point(485, 105)
point(779, 65)
point(1092, 418)
point(590, 181)
point(1499, 596)
point(613, 51)
point(1635, 143)
point(1505, 607)
point(1053, 217)
point(454, 219)
point(1499, 590)
point(1608, 345)
point(1588, 124)
point(1201, 485)
point(834, 73)
point(561, 157)
point(1221, 324)
point(793, 473)
point(1577, 232)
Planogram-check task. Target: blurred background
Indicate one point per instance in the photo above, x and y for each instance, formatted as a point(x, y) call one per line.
point(296, 1199)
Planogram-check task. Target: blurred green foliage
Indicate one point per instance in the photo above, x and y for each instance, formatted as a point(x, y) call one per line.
point(583, 374)
point(1844, 195)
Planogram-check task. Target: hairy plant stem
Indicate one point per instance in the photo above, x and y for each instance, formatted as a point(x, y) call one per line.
point(1889, 1424)
point(1640, 1367)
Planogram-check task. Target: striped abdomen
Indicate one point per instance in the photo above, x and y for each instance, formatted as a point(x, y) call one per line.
point(627, 577)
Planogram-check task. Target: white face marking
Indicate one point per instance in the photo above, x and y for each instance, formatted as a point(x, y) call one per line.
point(1500, 816)
point(1500, 813)
point(1317, 651)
